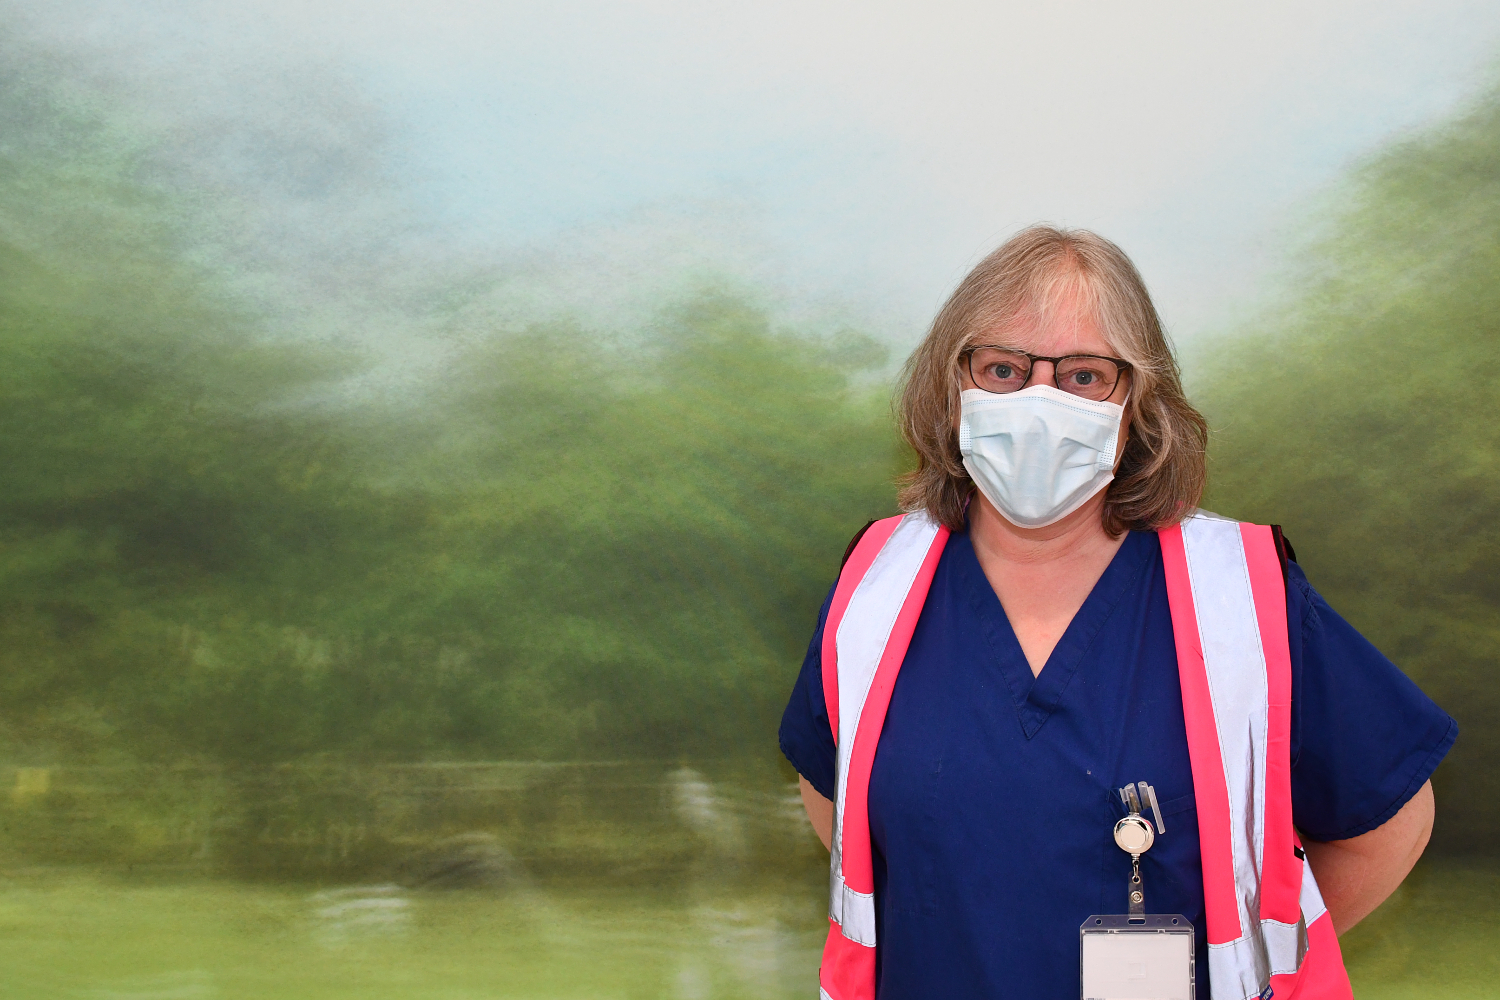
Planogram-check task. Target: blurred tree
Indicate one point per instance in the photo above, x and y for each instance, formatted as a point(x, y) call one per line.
point(161, 482)
point(576, 545)
point(639, 536)
point(569, 548)
point(1360, 413)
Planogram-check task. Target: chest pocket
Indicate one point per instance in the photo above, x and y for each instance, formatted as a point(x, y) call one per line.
point(1182, 805)
point(1172, 867)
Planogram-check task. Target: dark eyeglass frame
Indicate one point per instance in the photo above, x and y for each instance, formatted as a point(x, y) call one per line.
point(967, 354)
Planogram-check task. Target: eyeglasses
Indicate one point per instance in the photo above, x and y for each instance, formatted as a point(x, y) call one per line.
point(1001, 369)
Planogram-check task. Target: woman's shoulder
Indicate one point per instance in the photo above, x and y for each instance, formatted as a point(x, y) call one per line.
point(1286, 555)
point(853, 542)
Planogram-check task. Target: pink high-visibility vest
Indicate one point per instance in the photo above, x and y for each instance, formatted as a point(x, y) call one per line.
point(1268, 930)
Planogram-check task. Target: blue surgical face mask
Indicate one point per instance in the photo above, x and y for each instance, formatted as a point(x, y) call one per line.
point(1038, 454)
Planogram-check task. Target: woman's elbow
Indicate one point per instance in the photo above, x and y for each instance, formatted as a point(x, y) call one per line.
point(1357, 875)
point(819, 810)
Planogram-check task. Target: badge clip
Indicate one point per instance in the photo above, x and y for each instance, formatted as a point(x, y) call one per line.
point(1137, 954)
point(1134, 835)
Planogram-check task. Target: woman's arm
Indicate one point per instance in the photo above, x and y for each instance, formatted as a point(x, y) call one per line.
point(1354, 875)
point(820, 812)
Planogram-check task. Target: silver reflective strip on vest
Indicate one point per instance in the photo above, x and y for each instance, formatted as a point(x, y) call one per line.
point(1237, 970)
point(1286, 944)
point(1236, 666)
point(1311, 900)
point(1241, 969)
point(854, 912)
point(1235, 662)
point(861, 641)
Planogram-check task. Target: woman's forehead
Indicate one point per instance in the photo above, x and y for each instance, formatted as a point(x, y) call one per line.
point(1066, 329)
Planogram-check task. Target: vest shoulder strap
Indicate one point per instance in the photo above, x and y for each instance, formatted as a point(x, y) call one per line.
point(876, 604)
point(1230, 627)
point(849, 551)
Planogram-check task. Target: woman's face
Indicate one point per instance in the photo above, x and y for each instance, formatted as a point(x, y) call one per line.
point(1069, 330)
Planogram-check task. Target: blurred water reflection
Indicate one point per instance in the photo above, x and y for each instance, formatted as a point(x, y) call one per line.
point(497, 879)
point(491, 825)
point(637, 879)
point(370, 910)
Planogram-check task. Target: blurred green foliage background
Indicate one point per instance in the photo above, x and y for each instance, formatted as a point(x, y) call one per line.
point(216, 548)
point(561, 547)
point(1360, 412)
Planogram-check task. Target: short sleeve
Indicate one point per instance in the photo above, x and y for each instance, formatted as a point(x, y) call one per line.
point(806, 737)
point(1364, 736)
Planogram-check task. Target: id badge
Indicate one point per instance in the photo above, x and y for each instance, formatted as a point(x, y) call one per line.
point(1137, 958)
point(1137, 955)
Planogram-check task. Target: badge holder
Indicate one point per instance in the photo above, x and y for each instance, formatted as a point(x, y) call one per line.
point(1137, 955)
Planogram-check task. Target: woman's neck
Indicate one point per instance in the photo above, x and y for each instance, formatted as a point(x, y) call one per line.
point(1042, 576)
point(1079, 536)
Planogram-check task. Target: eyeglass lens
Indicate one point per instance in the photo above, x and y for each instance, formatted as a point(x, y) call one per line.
point(996, 370)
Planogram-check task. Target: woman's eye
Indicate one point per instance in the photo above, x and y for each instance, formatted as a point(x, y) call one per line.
point(1085, 378)
point(997, 370)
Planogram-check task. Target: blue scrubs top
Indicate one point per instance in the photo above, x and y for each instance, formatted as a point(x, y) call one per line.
point(992, 798)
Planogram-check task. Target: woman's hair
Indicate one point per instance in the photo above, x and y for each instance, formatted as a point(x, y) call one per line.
point(1161, 475)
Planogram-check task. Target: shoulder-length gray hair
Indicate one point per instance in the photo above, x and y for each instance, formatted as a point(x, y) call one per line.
point(1162, 472)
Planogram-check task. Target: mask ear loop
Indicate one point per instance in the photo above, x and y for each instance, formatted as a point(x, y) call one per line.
point(1120, 451)
point(974, 488)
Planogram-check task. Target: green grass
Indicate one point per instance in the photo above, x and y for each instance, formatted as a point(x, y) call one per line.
point(98, 936)
point(90, 936)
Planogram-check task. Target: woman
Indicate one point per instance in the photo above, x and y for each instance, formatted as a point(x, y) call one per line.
point(1049, 606)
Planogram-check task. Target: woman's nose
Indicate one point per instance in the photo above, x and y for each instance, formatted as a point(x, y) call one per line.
point(1040, 377)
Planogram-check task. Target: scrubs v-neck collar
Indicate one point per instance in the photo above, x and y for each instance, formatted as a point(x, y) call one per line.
point(1036, 696)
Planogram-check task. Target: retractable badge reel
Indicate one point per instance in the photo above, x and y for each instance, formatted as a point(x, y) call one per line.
point(1137, 955)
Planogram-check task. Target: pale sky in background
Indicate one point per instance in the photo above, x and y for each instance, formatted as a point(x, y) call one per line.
point(853, 157)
